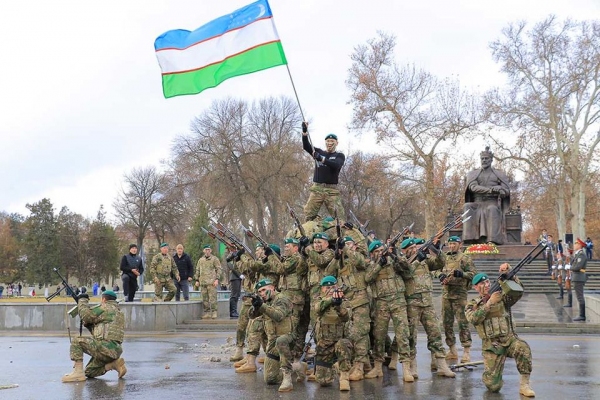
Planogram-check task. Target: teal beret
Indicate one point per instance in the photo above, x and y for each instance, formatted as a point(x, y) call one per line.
point(206, 246)
point(453, 239)
point(275, 248)
point(419, 241)
point(328, 281)
point(328, 219)
point(262, 283)
point(164, 245)
point(375, 245)
point(291, 240)
point(407, 243)
point(331, 136)
point(479, 277)
point(110, 293)
point(320, 235)
point(348, 239)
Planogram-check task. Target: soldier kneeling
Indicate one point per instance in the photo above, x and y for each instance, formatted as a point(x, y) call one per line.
point(332, 315)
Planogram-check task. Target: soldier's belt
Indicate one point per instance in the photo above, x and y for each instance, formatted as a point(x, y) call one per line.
point(273, 357)
point(327, 185)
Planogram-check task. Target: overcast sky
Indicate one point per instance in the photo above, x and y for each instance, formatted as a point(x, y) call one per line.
point(81, 99)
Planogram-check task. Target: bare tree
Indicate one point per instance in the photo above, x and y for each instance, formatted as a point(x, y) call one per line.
point(553, 94)
point(410, 110)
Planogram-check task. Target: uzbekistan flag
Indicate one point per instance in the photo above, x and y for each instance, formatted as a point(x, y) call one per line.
point(240, 43)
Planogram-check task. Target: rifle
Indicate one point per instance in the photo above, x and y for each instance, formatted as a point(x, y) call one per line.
point(214, 236)
point(395, 239)
point(225, 232)
point(73, 311)
point(338, 231)
point(264, 244)
point(296, 220)
point(435, 238)
point(361, 227)
point(468, 365)
point(307, 345)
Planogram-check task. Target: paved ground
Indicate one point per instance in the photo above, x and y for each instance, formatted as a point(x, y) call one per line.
point(178, 366)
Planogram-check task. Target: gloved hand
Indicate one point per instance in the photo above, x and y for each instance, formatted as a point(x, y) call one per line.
point(341, 243)
point(82, 296)
point(443, 277)
point(348, 225)
point(231, 257)
point(268, 251)
point(383, 260)
point(503, 277)
point(83, 289)
point(337, 301)
point(304, 127)
point(458, 273)
point(240, 252)
point(421, 256)
point(257, 302)
point(318, 157)
point(304, 241)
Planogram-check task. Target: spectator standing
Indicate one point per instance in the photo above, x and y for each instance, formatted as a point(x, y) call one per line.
point(578, 276)
point(1, 290)
point(20, 287)
point(132, 266)
point(589, 247)
point(186, 272)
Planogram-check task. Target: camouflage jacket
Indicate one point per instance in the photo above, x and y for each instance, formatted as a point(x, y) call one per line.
point(317, 262)
point(105, 322)
point(351, 273)
point(331, 319)
point(387, 282)
point(456, 288)
point(278, 315)
point(292, 271)
point(208, 270)
point(163, 267)
point(419, 285)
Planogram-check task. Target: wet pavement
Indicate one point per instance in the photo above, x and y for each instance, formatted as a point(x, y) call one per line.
point(178, 366)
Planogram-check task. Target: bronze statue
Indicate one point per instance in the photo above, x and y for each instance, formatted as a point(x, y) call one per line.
point(487, 197)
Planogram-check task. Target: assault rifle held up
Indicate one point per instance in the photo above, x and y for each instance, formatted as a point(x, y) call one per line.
point(394, 241)
point(221, 239)
point(361, 227)
point(296, 220)
point(264, 244)
point(73, 311)
point(223, 231)
point(436, 238)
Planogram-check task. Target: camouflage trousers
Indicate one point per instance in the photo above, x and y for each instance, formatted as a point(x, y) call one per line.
point(300, 319)
point(209, 298)
point(102, 351)
point(168, 284)
point(494, 358)
point(321, 195)
point(328, 352)
point(279, 358)
point(256, 335)
point(358, 332)
point(384, 310)
point(242, 323)
point(455, 309)
point(430, 321)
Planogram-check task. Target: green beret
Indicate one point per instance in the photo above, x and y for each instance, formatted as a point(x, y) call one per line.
point(164, 245)
point(418, 241)
point(327, 222)
point(291, 240)
point(328, 219)
point(206, 246)
point(275, 248)
point(262, 283)
point(479, 277)
point(453, 239)
point(320, 235)
point(348, 239)
point(109, 293)
point(407, 243)
point(328, 281)
point(375, 244)
point(331, 136)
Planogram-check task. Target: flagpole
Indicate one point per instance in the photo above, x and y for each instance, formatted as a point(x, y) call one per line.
point(300, 107)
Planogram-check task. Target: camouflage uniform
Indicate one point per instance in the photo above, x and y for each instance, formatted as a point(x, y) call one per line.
point(317, 263)
point(331, 344)
point(310, 228)
point(352, 274)
point(454, 296)
point(324, 194)
point(292, 272)
point(250, 279)
point(277, 315)
point(419, 287)
point(107, 326)
point(498, 339)
point(162, 268)
point(359, 240)
point(387, 288)
point(208, 270)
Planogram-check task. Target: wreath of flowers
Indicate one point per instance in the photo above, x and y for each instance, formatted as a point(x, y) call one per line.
point(484, 248)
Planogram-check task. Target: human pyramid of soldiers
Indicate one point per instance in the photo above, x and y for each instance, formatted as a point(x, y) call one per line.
point(347, 285)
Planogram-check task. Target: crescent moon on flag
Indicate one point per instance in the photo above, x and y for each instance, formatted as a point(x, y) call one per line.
point(262, 10)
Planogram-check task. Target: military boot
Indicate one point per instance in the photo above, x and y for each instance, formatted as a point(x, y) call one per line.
point(286, 384)
point(77, 375)
point(249, 366)
point(117, 365)
point(443, 369)
point(581, 317)
point(452, 353)
point(344, 381)
point(413, 368)
point(261, 359)
point(243, 361)
point(406, 372)
point(300, 367)
point(433, 365)
point(214, 315)
point(376, 372)
point(525, 389)
point(569, 300)
point(466, 357)
point(393, 361)
point(238, 355)
point(356, 372)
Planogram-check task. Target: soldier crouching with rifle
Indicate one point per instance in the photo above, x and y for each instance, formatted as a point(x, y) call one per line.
point(490, 314)
point(107, 325)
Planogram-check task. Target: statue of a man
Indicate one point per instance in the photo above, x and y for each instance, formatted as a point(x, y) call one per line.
point(487, 197)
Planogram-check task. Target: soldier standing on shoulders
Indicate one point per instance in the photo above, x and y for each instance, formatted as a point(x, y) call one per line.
point(163, 268)
point(106, 323)
point(208, 274)
point(328, 164)
point(490, 314)
point(456, 277)
point(332, 315)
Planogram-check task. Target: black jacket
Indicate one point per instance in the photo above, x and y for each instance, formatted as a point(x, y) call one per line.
point(126, 268)
point(328, 171)
point(184, 265)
